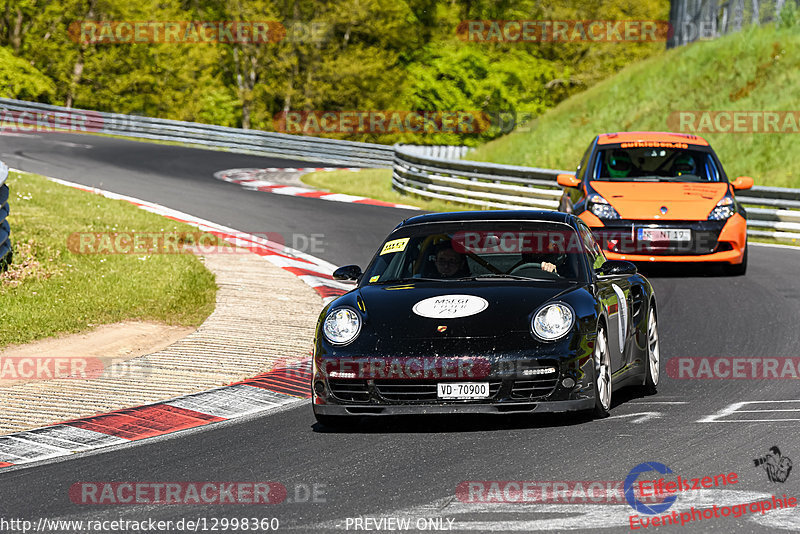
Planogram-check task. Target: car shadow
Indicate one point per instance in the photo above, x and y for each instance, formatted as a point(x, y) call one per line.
point(428, 424)
point(680, 270)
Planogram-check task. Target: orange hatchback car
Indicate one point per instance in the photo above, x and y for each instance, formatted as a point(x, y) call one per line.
point(655, 196)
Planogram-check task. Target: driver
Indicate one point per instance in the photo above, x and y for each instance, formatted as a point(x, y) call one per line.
point(684, 164)
point(618, 164)
point(449, 263)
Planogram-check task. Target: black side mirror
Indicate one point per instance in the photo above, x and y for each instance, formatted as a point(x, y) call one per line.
point(347, 272)
point(617, 268)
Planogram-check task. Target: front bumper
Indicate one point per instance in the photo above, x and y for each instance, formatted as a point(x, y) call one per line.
point(481, 408)
point(516, 383)
point(712, 241)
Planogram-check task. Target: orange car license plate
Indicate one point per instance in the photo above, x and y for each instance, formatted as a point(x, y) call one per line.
point(665, 234)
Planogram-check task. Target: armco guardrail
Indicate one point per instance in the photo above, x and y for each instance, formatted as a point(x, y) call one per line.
point(5, 229)
point(485, 185)
point(30, 116)
point(771, 211)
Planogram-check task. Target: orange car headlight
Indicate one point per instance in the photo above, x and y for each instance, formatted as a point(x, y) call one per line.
point(723, 210)
point(600, 207)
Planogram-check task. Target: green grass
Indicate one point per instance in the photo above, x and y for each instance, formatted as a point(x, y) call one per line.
point(757, 69)
point(376, 184)
point(49, 290)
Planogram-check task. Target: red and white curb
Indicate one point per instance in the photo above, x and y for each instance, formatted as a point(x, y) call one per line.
point(260, 394)
point(263, 393)
point(314, 271)
point(253, 179)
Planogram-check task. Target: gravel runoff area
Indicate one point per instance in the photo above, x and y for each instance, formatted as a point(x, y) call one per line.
point(264, 318)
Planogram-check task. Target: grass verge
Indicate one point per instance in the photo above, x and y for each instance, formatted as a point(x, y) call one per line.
point(756, 69)
point(49, 290)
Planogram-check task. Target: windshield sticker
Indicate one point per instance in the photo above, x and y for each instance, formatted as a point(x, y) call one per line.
point(374, 278)
point(653, 144)
point(396, 245)
point(450, 306)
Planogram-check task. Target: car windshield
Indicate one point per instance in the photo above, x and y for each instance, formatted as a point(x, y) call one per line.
point(470, 250)
point(647, 164)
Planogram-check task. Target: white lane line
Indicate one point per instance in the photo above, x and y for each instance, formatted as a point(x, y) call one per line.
point(735, 408)
point(642, 416)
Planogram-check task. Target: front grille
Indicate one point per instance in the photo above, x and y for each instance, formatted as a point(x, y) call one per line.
point(350, 390)
point(534, 387)
point(624, 240)
point(418, 390)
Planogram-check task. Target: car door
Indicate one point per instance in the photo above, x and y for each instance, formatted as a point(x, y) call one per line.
point(614, 294)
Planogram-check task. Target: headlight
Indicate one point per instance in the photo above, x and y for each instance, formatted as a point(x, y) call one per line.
point(600, 207)
point(553, 321)
point(342, 326)
point(724, 210)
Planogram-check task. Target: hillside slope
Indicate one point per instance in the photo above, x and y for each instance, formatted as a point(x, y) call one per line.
point(758, 69)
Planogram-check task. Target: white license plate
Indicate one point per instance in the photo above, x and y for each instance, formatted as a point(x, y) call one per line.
point(665, 234)
point(462, 390)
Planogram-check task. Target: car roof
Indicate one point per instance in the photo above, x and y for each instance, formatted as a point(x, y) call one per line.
point(490, 215)
point(669, 137)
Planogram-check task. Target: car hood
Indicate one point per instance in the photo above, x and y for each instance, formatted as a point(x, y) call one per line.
point(493, 308)
point(644, 200)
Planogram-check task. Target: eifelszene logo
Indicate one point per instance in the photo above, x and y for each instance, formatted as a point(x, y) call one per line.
point(777, 467)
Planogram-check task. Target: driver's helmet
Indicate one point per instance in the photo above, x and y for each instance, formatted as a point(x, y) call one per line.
point(684, 164)
point(619, 164)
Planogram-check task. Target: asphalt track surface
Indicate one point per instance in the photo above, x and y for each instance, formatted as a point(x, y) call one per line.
point(411, 467)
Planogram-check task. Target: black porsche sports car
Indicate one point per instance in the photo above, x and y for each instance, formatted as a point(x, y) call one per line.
point(490, 312)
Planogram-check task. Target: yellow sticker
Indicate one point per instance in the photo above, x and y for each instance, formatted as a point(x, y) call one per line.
point(396, 245)
point(374, 278)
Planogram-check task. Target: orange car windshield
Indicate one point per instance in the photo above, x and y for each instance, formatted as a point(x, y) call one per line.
point(655, 165)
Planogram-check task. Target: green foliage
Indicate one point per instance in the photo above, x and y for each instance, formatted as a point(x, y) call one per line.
point(337, 55)
point(18, 79)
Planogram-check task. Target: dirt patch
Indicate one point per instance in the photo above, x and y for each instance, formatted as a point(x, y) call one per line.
point(105, 345)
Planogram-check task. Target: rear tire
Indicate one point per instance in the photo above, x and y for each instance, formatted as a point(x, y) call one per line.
point(653, 367)
point(739, 269)
point(602, 376)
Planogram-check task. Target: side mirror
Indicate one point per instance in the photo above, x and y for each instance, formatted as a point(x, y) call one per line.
point(347, 272)
point(617, 268)
point(567, 180)
point(742, 182)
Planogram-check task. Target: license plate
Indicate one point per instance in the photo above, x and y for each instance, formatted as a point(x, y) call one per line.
point(665, 234)
point(462, 390)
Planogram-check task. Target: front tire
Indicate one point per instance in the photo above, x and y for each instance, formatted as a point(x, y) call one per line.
point(602, 376)
point(653, 372)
